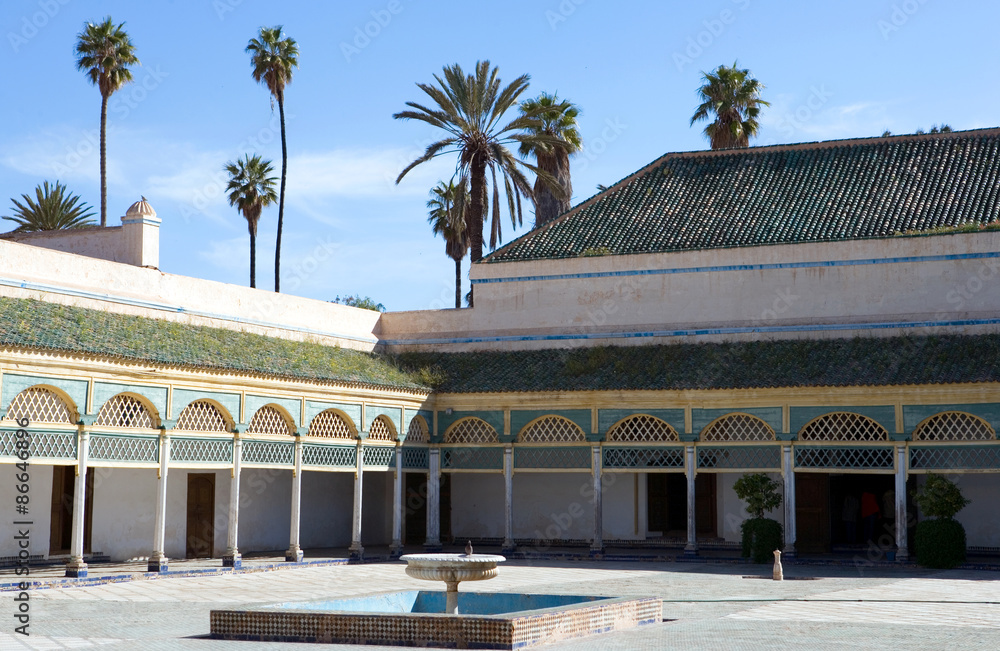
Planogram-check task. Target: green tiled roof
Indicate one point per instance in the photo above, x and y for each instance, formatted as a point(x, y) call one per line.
point(37, 324)
point(745, 365)
point(813, 192)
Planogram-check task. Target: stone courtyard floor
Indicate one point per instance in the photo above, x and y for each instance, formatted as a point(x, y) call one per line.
point(709, 606)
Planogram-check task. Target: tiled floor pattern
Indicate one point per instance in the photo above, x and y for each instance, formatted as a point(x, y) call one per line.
point(713, 607)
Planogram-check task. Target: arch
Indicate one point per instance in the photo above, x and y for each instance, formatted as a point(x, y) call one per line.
point(843, 426)
point(42, 404)
point(642, 428)
point(551, 429)
point(204, 416)
point(738, 426)
point(954, 426)
point(334, 424)
point(382, 429)
point(418, 432)
point(271, 419)
point(471, 430)
point(128, 410)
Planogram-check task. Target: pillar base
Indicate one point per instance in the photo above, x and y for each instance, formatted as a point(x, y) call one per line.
point(597, 551)
point(691, 550)
point(233, 560)
point(293, 555)
point(157, 563)
point(788, 553)
point(396, 550)
point(357, 551)
point(902, 555)
point(508, 547)
point(76, 568)
point(432, 547)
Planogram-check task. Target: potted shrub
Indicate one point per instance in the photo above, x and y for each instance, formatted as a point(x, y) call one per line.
point(940, 542)
point(761, 536)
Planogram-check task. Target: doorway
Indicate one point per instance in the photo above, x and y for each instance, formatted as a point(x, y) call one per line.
point(706, 521)
point(666, 505)
point(812, 512)
point(61, 512)
point(854, 496)
point(200, 515)
point(415, 508)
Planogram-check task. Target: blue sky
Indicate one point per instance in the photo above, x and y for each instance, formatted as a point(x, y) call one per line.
point(831, 70)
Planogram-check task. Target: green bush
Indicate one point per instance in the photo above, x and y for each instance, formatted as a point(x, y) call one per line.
point(761, 536)
point(940, 498)
point(760, 493)
point(940, 543)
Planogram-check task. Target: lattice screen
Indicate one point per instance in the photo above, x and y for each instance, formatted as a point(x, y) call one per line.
point(329, 455)
point(641, 429)
point(954, 426)
point(124, 411)
point(381, 430)
point(202, 416)
point(615, 457)
point(843, 426)
point(738, 427)
point(471, 430)
point(418, 431)
point(860, 458)
point(332, 425)
point(39, 405)
point(268, 420)
point(551, 429)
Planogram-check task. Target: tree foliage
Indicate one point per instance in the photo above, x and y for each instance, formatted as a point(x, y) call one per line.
point(470, 109)
point(273, 59)
point(104, 52)
point(760, 493)
point(558, 120)
point(731, 99)
point(940, 497)
point(251, 189)
point(53, 208)
point(366, 303)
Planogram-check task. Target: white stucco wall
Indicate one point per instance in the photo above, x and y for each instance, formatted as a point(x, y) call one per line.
point(619, 507)
point(265, 509)
point(553, 506)
point(855, 283)
point(981, 518)
point(124, 516)
point(376, 511)
point(327, 508)
point(69, 279)
point(477, 505)
point(39, 503)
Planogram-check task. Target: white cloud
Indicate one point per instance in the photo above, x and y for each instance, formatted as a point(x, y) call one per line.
point(815, 116)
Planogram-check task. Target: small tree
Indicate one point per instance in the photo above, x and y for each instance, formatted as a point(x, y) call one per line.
point(760, 535)
point(366, 303)
point(940, 542)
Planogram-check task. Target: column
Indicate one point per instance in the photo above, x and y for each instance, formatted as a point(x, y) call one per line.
point(691, 549)
point(597, 546)
point(902, 550)
point(76, 567)
point(232, 557)
point(508, 499)
point(397, 505)
point(788, 475)
point(158, 559)
point(294, 553)
point(433, 542)
point(356, 548)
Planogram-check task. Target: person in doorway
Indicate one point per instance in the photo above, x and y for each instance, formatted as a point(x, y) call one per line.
point(849, 516)
point(869, 514)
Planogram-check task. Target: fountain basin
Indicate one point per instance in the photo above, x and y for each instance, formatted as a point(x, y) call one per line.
point(414, 618)
point(452, 569)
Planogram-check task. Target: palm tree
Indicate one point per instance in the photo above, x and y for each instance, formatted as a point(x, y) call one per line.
point(559, 121)
point(733, 97)
point(251, 189)
point(104, 52)
point(449, 204)
point(273, 59)
point(54, 209)
point(469, 108)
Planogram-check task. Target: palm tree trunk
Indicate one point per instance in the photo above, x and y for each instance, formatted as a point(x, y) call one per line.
point(104, 159)
point(253, 260)
point(458, 282)
point(281, 196)
point(476, 208)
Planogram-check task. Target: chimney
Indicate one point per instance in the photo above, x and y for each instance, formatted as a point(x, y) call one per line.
point(141, 235)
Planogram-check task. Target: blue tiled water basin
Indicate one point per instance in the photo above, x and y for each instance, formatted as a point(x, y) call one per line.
point(416, 618)
point(429, 601)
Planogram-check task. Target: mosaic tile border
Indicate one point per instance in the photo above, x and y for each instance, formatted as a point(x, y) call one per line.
point(511, 631)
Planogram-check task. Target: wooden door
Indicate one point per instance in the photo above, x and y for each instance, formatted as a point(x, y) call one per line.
point(61, 510)
point(200, 515)
point(415, 505)
point(812, 512)
point(705, 514)
point(666, 504)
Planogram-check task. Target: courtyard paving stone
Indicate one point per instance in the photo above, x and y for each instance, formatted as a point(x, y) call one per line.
point(710, 606)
